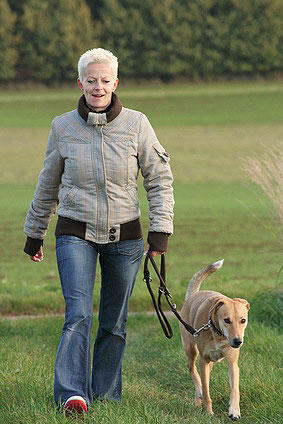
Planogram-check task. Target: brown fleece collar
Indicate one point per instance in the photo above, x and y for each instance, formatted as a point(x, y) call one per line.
point(111, 112)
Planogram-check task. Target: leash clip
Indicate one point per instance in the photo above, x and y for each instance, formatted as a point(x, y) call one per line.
point(164, 290)
point(204, 327)
point(149, 279)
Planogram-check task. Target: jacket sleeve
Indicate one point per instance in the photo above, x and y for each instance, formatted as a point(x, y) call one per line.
point(154, 163)
point(45, 200)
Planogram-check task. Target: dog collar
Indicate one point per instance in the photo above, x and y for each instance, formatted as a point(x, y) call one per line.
point(207, 326)
point(215, 329)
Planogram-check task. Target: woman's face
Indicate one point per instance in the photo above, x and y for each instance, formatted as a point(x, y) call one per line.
point(98, 85)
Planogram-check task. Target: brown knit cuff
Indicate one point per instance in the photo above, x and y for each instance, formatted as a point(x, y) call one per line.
point(32, 246)
point(158, 242)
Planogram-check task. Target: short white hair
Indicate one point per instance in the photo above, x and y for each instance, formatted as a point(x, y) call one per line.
point(97, 56)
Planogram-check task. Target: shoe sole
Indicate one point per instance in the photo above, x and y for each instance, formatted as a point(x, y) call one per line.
point(75, 407)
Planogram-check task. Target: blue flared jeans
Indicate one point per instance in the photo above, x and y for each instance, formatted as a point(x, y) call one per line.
point(119, 263)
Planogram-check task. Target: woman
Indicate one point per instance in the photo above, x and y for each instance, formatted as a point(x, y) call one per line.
point(92, 163)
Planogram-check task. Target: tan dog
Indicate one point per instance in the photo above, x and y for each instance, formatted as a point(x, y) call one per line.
point(223, 336)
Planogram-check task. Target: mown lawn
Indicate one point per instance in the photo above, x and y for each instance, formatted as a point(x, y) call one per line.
point(208, 129)
point(216, 214)
point(157, 387)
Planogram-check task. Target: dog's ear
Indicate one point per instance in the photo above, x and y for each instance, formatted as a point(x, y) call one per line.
point(218, 303)
point(243, 301)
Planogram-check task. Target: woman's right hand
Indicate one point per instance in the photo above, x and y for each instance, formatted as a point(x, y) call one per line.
point(38, 257)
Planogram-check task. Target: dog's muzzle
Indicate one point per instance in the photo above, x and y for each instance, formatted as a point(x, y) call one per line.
point(237, 342)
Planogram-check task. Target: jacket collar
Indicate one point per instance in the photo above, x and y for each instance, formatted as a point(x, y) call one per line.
point(102, 118)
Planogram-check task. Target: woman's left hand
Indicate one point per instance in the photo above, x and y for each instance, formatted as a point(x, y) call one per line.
point(38, 257)
point(154, 252)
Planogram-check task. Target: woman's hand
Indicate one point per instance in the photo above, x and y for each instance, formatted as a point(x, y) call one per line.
point(38, 257)
point(153, 253)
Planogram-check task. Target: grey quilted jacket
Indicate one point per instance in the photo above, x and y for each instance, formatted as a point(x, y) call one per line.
point(91, 169)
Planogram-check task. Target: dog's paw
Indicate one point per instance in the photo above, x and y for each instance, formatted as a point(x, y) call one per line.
point(210, 411)
point(234, 417)
point(198, 400)
point(234, 413)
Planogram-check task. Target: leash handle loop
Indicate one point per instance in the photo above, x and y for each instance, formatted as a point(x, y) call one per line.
point(166, 327)
point(163, 290)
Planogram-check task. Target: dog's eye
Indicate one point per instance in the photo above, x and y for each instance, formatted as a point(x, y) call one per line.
point(227, 320)
point(243, 321)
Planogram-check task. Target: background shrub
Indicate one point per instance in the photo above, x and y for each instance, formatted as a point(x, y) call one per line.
point(54, 35)
point(164, 40)
point(8, 52)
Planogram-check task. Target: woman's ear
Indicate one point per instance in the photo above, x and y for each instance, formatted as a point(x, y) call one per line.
point(116, 84)
point(80, 84)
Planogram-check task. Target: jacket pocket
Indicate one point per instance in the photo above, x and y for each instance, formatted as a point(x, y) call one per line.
point(131, 247)
point(69, 198)
point(162, 154)
point(132, 192)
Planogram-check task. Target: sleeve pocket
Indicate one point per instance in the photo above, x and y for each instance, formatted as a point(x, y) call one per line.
point(162, 153)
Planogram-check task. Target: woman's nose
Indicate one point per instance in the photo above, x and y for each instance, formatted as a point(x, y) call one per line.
point(97, 85)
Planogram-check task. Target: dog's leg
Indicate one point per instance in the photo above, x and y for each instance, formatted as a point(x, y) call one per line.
point(205, 368)
point(192, 354)
point(234, 406)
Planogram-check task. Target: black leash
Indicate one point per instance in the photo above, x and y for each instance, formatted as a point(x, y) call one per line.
point(163, 290)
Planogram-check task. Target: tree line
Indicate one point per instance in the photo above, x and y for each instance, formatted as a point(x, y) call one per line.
point(165, 39)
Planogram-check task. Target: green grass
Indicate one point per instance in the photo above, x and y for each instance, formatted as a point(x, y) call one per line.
point(208, 129)
point(157, 387)
point(216, 216)
point(204, 104)
point(211, 223)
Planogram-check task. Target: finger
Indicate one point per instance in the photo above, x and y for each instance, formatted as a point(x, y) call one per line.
point(38, 257)
point(40, 253)
point(35, 259)
point(154, 253)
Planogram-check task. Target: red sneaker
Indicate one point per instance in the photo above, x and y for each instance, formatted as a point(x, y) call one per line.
point(75, 404)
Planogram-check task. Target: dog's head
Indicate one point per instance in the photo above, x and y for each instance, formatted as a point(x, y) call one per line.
point(231, 317)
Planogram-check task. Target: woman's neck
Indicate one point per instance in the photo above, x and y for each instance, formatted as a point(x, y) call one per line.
point(107, 109)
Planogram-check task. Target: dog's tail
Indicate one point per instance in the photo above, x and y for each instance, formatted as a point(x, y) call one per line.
point(200, 276)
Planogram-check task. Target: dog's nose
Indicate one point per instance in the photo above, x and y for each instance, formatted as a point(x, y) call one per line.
point(237, 342)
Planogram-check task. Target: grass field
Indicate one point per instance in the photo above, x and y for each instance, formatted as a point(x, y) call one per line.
point(157, 387)
point(208, 129)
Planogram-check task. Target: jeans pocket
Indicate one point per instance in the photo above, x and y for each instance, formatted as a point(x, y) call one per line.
point(63, 240)
point(130, 247)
